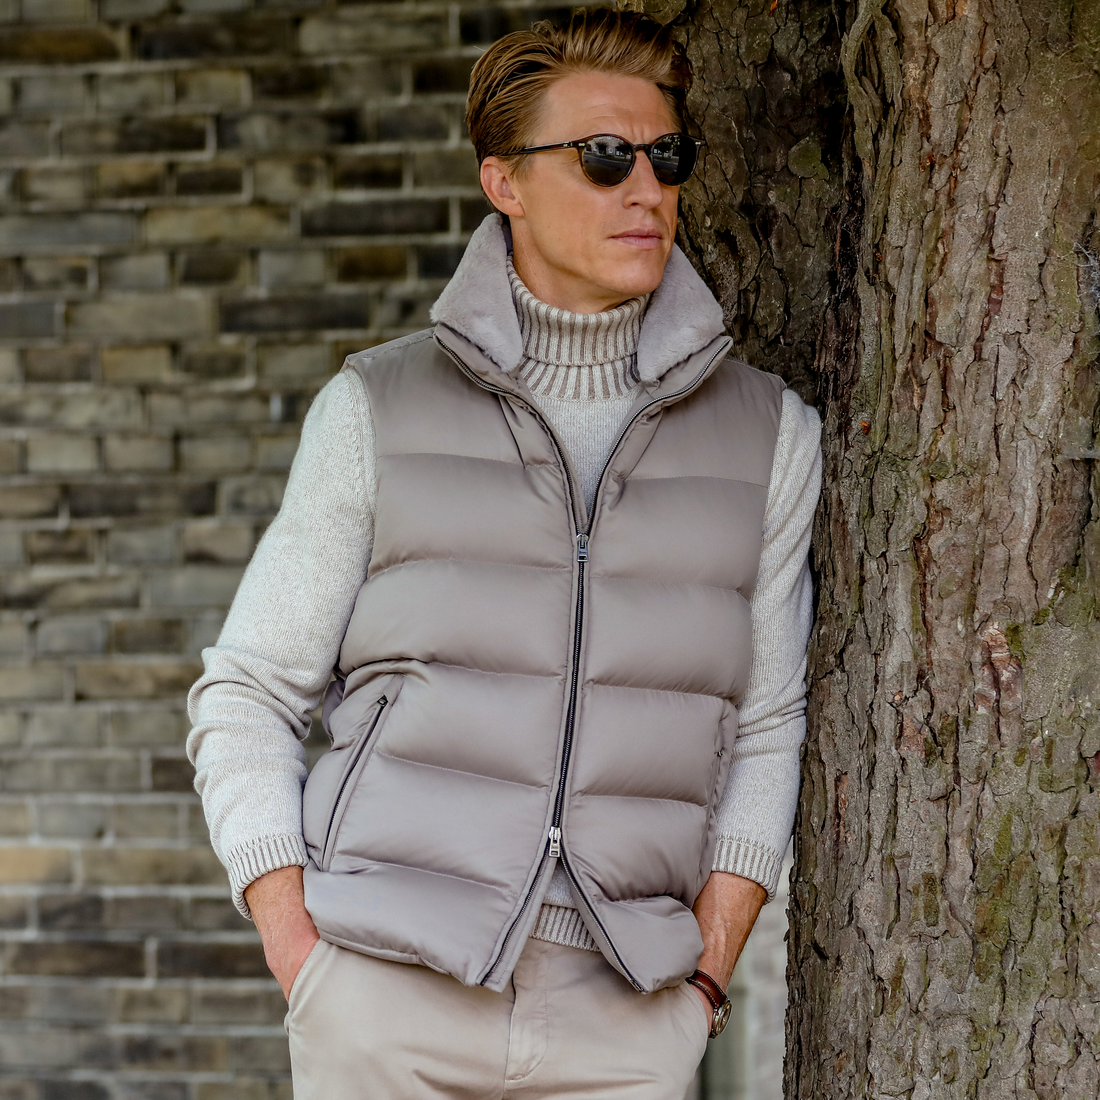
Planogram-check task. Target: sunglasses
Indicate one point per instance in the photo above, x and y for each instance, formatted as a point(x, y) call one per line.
point(607, 159)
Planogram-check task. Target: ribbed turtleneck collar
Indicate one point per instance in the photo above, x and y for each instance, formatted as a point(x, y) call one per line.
point(577, 355)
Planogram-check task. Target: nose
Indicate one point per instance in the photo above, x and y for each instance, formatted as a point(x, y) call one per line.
point(641, 187)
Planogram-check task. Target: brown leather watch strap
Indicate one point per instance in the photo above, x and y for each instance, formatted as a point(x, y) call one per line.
point(714, 992)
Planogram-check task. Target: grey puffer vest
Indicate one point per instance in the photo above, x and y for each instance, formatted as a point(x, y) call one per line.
point(521, 682)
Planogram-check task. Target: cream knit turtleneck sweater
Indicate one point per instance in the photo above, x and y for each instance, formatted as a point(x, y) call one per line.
point(277, 648)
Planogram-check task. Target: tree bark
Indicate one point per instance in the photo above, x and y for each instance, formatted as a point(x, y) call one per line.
point(938, 292)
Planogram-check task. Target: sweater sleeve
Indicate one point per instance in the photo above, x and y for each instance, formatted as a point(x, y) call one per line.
point(756, 812)
point(250, 710)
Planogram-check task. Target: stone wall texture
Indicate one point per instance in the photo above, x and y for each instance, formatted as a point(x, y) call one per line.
point(205, 205)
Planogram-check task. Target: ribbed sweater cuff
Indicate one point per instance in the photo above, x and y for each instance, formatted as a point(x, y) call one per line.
point(748, 858)
point(248, 862)
point(557, 924)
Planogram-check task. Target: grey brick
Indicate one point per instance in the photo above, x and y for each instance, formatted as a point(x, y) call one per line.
point(139, 271)
point(287, 180)
point(132, 91)
point(289, 81)
point(194, 586)
point(22, 138)
point(31, 683)
point(214, 224)
point(371, 262)
point(147, 636)
point(209, 179)
point(253, 496)
point(210, 540)
point(62, 454)
point(165, 316)
point(293, 362)
point(358, 30)
point(147, 727)
point(134, 135)
point(413, 122)
point(138, 820)
point(28, 501)
point(372, 218)
point(355, 81)
point(445, 168)
point(55, 11)
point(132, 9)
point(56, 92)
point(135, 678)
point(18, 231)
point(10, 734)
point(202, 454)
point(188, 410)
point(71, 820)
point(103, 409)
point(154, 1006)
point(11, 456)
point(356, 173)
point(13, 640)
point(472, 212)
point(226, 37)
point(64, 186)
point(135, 453)
point(129, 179)
point(213, 362)
point(75, 594)
point(71, 634)
point(68, 46)
point(70, 363)
point(147, 363)
point(438, 261)
point(307, 312)
point(142, 545)
point(56, 272)
point(211, 268)
point(63, 727)
point(70, 546)
point(27, 319)
point(298, 268)
point(290, 131)
point(435, 75)
point(14, 818)
point(275, 452)
point(214, 87)
point(114, 498)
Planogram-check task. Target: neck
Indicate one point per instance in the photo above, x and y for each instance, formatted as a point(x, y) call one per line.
point(560, 288)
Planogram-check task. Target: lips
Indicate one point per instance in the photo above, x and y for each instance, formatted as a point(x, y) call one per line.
point(640, 238)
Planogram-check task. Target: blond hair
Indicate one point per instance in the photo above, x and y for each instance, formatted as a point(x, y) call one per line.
point(510, 79)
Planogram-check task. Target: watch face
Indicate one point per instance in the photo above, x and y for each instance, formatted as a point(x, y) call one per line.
point(721, 1018)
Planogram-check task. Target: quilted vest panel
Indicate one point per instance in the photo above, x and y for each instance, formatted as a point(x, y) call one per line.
point(521, 682)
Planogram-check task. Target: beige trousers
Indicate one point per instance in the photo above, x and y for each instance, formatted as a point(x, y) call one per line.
point(568, 1026)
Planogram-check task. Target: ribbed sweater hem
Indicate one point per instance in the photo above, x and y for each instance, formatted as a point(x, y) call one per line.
point(736, 855)
point(556, 924)
point(248, 862)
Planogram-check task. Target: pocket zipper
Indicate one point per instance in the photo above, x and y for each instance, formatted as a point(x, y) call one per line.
point(330, 835)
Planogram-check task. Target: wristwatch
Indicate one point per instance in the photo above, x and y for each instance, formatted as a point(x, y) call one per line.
point(717, 997)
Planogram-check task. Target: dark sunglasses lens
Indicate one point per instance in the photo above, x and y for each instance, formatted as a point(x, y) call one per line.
point(607, 160)
point(673, 158)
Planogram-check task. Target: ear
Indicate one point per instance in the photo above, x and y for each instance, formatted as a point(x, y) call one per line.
point(498, 184)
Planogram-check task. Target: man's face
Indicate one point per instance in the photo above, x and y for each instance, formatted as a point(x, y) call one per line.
point(576, 245)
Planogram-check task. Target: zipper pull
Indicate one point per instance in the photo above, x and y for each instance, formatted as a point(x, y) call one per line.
point(582, 547)
point(555, 842)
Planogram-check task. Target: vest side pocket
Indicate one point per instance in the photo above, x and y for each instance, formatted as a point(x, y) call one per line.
point(357, 752)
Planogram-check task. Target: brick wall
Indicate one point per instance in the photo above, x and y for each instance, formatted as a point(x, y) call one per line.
point(206, 203)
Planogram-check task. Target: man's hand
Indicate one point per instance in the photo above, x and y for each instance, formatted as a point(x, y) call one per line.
point(726, 909)
point(278, 905)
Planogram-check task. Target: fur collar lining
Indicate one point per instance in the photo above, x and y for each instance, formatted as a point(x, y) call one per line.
point(683, 316)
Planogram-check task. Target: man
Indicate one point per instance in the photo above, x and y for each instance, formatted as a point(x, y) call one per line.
point(555, 549)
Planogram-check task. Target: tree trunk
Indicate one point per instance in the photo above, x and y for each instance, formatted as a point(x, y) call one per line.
point(938, 290)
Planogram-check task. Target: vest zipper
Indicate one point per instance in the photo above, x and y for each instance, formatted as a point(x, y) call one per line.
point(554, 837)
point(380, 705)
